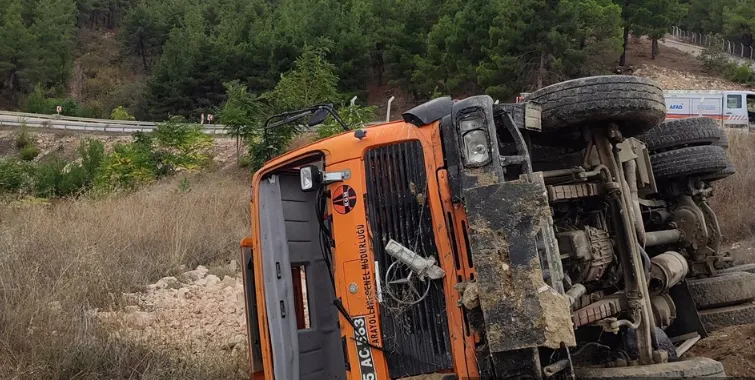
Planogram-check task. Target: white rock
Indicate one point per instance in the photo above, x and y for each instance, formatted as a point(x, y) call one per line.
point(195, 275)
point(228, 282)
point(160, 284)
point(171, 282)
point(233, 266)
point(184, 293)
point(212, 280)
point(203, 269)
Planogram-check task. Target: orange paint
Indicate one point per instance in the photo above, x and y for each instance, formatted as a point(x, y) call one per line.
point(353, 254)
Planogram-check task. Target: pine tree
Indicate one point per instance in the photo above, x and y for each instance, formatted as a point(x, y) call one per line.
point(17, 50)
point(537, 42)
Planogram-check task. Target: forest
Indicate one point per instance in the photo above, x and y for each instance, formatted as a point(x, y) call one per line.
point(154, 59)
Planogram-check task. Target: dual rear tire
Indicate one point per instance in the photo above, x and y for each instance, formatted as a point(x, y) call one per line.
point(693, 146)
point(679, 148)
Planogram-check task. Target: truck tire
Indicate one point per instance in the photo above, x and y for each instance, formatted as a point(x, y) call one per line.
point(685, 368)
point(636, 104)
point(723, 142)
point(679, 133)
point(723, 290)
point(689, 161)
point(714, 319)
point(749, 268)
point(726, 172)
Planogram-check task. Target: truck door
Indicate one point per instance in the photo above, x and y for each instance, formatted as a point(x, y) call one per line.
point(751, 109)
point(735, 110)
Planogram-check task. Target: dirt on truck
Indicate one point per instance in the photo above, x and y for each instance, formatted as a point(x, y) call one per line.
point(568, 235)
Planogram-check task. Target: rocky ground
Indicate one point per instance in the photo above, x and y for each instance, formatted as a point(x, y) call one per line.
point(199, 313)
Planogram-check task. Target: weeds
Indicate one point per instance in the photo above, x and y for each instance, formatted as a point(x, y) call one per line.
point(173, 147)
point(61, 260)
point(732, 193)
point(28, 153)
point(120, 113)
point(718, 63)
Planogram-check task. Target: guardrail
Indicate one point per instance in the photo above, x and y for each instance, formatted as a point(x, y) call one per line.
point(18, 119)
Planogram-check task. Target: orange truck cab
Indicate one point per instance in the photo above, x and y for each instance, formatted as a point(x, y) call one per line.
point(390, 181)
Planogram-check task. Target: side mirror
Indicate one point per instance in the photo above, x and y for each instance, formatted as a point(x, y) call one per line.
point(318, 117)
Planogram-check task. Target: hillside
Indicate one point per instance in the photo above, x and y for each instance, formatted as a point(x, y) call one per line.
point(161, 58)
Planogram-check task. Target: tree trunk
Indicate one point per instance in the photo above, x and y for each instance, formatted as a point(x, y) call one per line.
point(541, 71)
point(623, 59)
point(143, 52)
point(654, 47)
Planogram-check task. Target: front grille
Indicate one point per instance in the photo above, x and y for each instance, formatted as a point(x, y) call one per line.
point(415, 337)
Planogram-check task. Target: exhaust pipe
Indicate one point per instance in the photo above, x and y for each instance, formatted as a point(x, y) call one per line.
point(667, 270)
point(388, 112)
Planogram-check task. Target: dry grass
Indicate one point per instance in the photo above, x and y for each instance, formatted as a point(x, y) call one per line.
point(734, 197)
point(58, 261)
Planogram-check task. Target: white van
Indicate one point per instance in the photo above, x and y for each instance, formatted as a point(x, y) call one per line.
point(733, 109)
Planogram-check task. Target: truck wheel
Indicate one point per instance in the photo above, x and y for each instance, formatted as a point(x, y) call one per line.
point(685, 368)
point(682, 132)
point(722, 290)
point(723, 142)
point(693, 160)
point(727, 172)
point(714, 319)
point(636, 104)
point(749, 268)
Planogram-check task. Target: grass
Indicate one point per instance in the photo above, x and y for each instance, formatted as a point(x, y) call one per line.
point(58, 261)
point(734, 196)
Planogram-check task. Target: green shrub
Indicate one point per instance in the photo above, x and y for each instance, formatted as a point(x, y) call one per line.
point(23, 139)
point(120, 113)
point(183, 146)
point(38, 102)
point(718, 63)
point(14, 176)
point(92, 153)
point(128, 166)
point(715, 61)
point(29, 153)
point(741, 74)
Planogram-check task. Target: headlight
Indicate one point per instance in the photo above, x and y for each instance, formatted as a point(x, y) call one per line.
point(476, 147)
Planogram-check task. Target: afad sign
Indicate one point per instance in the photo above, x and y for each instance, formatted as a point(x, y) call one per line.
point(677, 107)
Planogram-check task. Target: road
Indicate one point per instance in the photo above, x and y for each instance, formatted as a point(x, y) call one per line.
point(696, 50)
point(17, 119)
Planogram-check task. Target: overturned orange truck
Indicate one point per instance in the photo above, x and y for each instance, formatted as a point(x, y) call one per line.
point(472, 239)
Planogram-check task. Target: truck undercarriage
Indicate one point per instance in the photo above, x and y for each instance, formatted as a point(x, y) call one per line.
point(566, 236)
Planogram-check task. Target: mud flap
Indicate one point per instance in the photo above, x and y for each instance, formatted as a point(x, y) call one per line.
point(687, 320)
point(507, 225)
